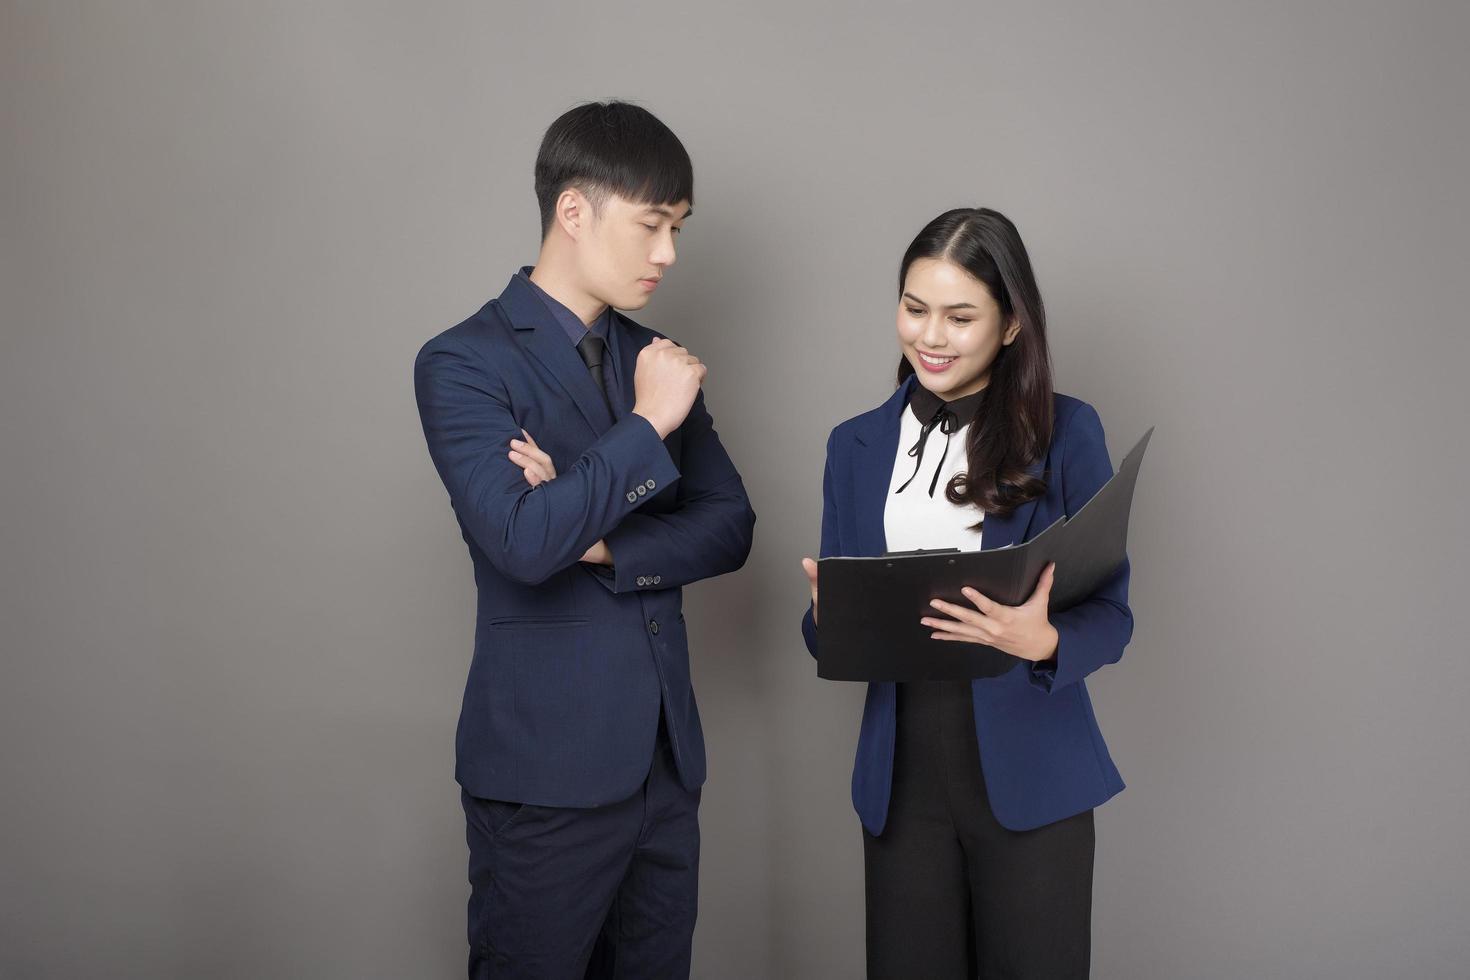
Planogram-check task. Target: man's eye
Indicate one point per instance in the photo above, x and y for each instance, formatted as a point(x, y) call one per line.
point(915, 311)
point(676, 230)
point(651, 227)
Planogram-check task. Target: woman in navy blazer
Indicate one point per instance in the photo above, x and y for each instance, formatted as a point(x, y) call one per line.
point(976, 797)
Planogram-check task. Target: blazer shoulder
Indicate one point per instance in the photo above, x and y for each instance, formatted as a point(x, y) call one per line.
point(1077, 431)
point(860, 424)
point(1072, 416)
point(486, 335)
point(841, 438)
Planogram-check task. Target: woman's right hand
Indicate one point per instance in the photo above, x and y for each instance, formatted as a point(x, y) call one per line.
point(811, 574)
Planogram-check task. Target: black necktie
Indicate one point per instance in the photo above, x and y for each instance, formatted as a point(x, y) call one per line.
point(591, 347)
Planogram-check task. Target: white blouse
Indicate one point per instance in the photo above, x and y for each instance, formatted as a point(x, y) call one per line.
point(913, 519)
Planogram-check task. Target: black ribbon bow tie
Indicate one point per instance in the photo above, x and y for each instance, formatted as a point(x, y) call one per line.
point(947, 417)
point(948, 423)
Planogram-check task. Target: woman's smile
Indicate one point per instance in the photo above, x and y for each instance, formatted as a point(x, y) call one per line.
point(936, 362)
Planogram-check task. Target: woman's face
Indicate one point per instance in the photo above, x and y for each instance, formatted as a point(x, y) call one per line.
point(949, 327)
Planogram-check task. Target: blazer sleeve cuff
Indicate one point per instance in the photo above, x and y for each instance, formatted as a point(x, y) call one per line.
point(631, 570)
point(1060, 670)
point(651, 469)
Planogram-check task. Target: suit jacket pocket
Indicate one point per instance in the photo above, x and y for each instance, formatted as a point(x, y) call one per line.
point(536, 622)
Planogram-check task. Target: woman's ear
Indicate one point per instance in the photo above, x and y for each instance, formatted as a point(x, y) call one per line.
point(1012, 331)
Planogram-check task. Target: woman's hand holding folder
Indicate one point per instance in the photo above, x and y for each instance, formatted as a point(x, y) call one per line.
point(1023, 631)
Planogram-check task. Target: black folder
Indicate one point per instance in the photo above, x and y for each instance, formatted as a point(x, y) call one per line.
point(868, 619)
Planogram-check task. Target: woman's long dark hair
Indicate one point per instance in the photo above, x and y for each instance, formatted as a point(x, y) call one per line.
point(1013, 426)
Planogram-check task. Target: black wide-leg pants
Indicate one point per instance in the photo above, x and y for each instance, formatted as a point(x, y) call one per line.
point(950, 892)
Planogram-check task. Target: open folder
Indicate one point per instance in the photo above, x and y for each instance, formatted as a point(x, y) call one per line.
point(869, 627)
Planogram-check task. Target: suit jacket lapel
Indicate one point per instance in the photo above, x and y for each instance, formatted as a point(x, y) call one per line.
point(628, 348)
point(548, 343)
point(874, 449)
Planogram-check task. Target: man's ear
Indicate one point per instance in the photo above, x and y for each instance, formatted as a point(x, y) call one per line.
point(1011, 331)
point(572, 211)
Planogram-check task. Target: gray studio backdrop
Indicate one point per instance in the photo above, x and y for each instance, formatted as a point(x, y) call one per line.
point(237, 613)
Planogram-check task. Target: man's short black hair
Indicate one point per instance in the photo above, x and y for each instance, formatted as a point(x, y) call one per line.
point(611, 147)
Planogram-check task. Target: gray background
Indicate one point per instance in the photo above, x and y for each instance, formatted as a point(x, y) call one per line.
point(237, 613)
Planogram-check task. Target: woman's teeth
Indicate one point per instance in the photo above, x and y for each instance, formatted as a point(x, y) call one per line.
point(936, 361)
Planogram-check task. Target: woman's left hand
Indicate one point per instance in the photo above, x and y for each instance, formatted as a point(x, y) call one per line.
point(1022, 631)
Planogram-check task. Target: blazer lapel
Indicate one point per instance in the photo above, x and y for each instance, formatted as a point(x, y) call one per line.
point(547, 342)
point(628, 349)
point(874, 451)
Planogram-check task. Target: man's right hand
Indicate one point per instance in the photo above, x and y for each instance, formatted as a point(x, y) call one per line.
point(665, 384)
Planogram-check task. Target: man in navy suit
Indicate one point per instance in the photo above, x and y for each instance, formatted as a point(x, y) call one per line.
point(590, 486)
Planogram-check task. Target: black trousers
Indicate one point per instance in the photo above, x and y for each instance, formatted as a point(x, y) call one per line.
point(950, 892)
point(608, 892)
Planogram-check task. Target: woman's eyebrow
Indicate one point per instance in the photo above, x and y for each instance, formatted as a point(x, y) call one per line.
point(952, 306)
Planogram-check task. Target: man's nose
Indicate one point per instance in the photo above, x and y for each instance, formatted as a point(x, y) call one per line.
point(663, 254)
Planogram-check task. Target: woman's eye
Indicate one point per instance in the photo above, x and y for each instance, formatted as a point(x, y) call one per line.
point(915, 311)
point(961, 321)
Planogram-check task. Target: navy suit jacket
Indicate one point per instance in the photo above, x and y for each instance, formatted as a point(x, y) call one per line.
point(573, 661)
point(1041, 752)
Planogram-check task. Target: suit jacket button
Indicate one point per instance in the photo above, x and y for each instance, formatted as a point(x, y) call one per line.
point(657, 579)
point(642, 580)
point(642, 490)
point(649, 484)
point(653, 626)
point(632, 497)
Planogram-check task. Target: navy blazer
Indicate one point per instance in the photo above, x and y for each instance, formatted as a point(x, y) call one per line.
point(1041, 753)
point(573, 661)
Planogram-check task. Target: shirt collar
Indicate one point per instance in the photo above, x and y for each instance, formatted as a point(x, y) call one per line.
point(570, 323)
point(925, 405)
point(933, 413)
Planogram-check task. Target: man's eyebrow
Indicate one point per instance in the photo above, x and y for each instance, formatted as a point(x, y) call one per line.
point(952, 306)
point(664, 212)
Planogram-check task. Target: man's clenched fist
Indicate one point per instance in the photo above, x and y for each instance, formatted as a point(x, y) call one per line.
point(665, 384)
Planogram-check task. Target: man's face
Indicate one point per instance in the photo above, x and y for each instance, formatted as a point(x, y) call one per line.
point(625, 248)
